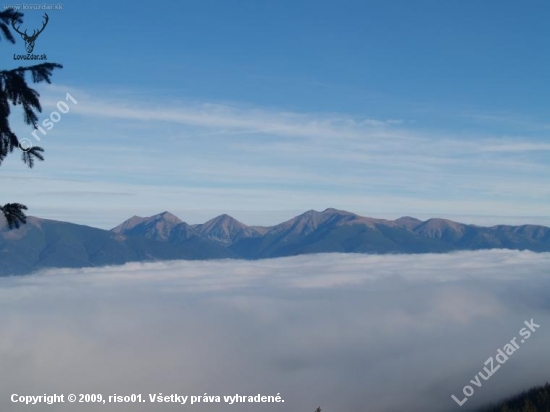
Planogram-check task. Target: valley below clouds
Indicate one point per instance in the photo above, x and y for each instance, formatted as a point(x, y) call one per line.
point(348, 332)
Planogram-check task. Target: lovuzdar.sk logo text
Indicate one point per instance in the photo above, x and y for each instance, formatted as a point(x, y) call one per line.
point(29, 39)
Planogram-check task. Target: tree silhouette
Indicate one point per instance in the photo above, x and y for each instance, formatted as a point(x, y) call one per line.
point(14, 91)
point(536, 399)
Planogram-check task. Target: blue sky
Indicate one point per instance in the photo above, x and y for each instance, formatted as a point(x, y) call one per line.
point(266, 109)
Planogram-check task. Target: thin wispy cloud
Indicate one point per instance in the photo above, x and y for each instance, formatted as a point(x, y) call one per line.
point(212, 115)
point(177, 154)
point(518, 147)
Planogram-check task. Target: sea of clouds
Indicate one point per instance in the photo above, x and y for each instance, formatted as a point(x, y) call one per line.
point(377, 333)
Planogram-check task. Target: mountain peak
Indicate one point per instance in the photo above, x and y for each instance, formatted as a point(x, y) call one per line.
point(225, 217)
point(309, 221)
point(408, 218)
point(338, 211)
point(408, 222)
point(129, 224)
point(334, 211)
point(157, 227)
point(226, 229)
point(168, 217)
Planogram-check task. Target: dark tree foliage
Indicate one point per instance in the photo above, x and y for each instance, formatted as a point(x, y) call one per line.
point(534, 400)
point(14, 91)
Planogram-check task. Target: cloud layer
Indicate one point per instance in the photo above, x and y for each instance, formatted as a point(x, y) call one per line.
point(348, 332)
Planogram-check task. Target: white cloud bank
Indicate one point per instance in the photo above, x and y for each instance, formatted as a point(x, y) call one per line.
point(347, 332)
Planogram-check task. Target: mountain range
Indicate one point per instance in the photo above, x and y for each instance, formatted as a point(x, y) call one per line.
point(43, 243)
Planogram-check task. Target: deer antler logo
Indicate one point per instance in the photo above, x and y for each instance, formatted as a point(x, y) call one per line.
point(29, 40)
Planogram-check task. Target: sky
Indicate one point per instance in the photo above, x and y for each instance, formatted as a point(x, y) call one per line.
point(264, 110)
point(319, 330)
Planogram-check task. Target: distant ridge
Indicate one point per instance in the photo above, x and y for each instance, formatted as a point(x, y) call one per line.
point(43, 243)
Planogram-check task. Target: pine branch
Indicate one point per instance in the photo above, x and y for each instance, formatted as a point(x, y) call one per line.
point(8, 142)
point(40, 72)
point(30, 155)
point(15, 90)
point(13, 212)
point(6, 17)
